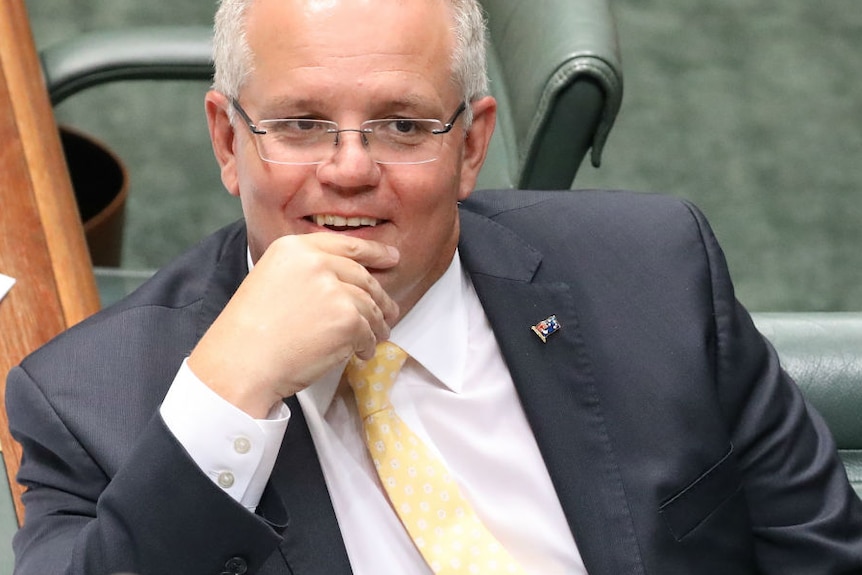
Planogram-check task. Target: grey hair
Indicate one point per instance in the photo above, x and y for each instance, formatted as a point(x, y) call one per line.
point(469, 58)
point(233, 57)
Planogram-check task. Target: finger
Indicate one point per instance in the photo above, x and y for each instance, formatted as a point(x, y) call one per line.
point(372, 313)
point(367, 253)
point(367, 350)
point(353, 273)
point(371, 326)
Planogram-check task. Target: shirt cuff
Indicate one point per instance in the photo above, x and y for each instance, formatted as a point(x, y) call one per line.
point(233, 449)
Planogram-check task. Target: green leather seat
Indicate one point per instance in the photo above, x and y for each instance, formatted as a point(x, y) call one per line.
point(554, 68)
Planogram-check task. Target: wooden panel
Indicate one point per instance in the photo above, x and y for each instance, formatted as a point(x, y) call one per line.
point(41, 238)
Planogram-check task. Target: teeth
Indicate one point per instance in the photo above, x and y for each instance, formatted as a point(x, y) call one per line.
point(340, 221)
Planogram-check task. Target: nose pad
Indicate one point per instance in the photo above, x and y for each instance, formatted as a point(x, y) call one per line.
point(362, 135)
point(344, 146)
point(348, 147)
point(351, 163)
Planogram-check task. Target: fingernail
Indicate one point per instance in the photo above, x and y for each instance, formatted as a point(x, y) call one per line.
point(393, 251)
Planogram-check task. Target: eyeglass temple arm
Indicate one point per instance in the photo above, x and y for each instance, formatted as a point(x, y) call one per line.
point(447, 127)
point(249, 122)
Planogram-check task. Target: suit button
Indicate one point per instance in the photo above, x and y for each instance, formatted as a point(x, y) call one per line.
point(235, 566)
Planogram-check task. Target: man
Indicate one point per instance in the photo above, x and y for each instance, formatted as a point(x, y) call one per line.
point(204, 426)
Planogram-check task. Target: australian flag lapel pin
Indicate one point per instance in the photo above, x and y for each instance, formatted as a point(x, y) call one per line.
point(546, 327)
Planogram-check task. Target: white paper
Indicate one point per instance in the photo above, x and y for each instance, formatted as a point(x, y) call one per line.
point(6, 284)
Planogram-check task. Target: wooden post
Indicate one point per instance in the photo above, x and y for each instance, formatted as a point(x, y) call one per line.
point(42, 242)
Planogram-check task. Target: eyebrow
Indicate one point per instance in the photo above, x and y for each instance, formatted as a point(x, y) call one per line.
point(403, 101)
point(268, 108)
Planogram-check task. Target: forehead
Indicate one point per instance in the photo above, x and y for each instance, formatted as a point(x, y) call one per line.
point(313, 47)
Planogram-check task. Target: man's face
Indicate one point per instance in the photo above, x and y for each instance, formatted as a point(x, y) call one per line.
point(349, 61)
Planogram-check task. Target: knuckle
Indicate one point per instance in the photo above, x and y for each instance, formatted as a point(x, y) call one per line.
point(370, 285)
point(353, 248)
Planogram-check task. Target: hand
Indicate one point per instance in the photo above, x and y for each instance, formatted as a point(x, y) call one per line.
point(308, 304)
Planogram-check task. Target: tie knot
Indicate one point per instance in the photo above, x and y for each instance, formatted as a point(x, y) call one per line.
point(373, 379)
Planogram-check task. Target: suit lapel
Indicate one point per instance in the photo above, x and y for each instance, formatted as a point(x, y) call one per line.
point(230, 270)
point(296, 500)
point(312, 540)
point(557, 387)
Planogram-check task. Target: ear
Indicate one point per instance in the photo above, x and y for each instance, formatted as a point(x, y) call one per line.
point(222, 137)
point(476, 143)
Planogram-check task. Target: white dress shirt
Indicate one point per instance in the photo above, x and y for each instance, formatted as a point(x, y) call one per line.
point(454, 392)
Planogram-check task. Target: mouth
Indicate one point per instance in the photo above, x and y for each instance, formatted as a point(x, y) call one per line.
point(342, 223)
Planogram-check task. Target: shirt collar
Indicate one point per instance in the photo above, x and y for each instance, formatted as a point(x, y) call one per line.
point(433, 333)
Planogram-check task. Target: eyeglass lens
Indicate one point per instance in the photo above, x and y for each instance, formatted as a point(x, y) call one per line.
point(394, 141)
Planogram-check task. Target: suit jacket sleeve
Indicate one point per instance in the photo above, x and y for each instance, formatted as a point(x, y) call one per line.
point(109, 489)
point(804, 514)
point(158, 514)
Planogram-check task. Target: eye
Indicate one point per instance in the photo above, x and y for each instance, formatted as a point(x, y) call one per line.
point(304, 125)
point(404, 126)
point(402, 131)
point(294, 127)
point(297, 131)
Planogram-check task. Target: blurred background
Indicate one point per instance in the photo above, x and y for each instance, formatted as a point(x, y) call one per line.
point(750, 108)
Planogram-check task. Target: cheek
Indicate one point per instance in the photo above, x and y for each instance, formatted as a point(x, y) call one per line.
point(266, 197)
point(440, 187)
point(265, 186)
point(432, 227)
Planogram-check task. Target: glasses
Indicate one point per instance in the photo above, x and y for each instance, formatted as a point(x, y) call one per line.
point(301, 141)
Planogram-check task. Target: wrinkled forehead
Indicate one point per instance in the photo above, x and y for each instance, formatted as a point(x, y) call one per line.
point(350, 42)
point(354, 26)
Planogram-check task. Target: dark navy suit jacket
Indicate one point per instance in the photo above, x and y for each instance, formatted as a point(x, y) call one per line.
point(675, 442)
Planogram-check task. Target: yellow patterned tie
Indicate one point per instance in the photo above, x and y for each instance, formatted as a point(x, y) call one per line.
point(440, 521)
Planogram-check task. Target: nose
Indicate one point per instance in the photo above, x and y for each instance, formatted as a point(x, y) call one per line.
point(351, 164)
